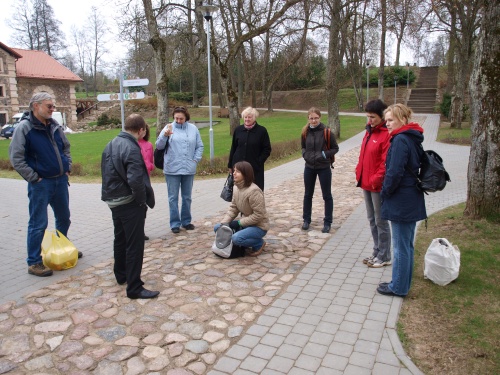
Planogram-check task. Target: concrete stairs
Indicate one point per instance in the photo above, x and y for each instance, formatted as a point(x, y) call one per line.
point(423, 97)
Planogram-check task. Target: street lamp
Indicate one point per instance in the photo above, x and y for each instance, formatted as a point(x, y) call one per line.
point(207, 11)
point(395, 82)
point(367, 80)
point(408, 77)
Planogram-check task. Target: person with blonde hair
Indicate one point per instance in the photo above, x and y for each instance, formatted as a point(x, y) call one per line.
point(250, 143)
point(317, 156)
point(403, 202)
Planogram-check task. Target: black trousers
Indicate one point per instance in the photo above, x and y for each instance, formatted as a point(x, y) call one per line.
point(128, 246)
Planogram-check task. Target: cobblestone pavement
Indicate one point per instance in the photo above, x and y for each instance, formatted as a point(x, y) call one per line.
point(306, 305)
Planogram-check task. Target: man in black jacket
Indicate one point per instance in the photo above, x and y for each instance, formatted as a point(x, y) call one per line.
point(127, 190)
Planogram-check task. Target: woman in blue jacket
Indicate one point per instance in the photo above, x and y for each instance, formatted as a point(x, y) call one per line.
point(402, 202)
point(184, 151)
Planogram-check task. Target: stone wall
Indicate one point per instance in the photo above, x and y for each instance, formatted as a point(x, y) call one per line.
point(62, 91)
point(9, 103)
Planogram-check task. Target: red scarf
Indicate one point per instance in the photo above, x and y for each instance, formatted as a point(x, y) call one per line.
point(410, 126)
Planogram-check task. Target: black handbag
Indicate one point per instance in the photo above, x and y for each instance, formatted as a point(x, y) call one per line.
point(227, 190)
point(159, 156)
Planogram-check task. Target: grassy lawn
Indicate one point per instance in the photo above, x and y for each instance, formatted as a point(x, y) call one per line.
point(284, 130)
point(454, 136)
point(454, 329)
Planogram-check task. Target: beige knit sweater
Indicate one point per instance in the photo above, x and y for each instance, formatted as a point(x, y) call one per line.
point(250, 202)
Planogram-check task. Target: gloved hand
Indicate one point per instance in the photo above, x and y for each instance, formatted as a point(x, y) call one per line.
point(234, 225)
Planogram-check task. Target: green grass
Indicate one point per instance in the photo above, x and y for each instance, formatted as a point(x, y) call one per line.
point(283, 127)
point(454, 136)
point(461, 319)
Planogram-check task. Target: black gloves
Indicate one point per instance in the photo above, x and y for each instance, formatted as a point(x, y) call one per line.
point(234, 225)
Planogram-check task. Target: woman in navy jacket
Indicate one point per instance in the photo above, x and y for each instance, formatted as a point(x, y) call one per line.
point(402, 202)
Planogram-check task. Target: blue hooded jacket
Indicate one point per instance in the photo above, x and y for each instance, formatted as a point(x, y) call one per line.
point(401, 199)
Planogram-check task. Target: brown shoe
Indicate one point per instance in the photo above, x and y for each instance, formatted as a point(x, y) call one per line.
point(39, 270)
point(258, 252)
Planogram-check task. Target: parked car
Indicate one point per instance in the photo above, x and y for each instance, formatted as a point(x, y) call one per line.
point(14, 119)
point(8, 131)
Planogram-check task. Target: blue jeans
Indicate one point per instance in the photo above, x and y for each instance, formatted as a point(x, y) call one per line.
point(184, 183)
point(325, 181)
point(381, 232)
point(248, 237)
point(403, 234)
point(53, 191)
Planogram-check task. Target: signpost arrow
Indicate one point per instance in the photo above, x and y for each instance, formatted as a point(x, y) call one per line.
point(136, 82)
point(126, 96)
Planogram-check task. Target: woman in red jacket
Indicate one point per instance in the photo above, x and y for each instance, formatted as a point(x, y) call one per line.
point(370, 173)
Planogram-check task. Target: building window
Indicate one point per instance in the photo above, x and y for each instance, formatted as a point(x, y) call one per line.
point(2, 91)
point(1, 65)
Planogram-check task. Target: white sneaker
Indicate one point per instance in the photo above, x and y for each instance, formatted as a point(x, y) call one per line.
point(368, 259)
point(377, 263)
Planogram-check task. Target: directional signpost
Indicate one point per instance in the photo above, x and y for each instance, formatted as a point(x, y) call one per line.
point(126, 96)
point(122, 96)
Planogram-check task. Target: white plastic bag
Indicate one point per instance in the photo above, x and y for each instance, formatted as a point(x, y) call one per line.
point(441, 262)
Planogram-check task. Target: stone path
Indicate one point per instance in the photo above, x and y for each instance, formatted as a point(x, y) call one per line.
point(307, 305)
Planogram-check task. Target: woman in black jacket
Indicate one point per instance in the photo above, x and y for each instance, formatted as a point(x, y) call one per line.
point(251, 143)
point(317, 155)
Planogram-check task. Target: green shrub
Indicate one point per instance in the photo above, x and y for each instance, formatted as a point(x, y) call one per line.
point(445, 105)
point(400, 72)
point(104, 119)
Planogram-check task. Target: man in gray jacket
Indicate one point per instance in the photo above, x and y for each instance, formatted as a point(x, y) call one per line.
point(40, 153)
point(127, 190)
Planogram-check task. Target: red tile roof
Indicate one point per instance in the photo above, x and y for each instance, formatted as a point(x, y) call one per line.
point(37, 64)
point(10, 51)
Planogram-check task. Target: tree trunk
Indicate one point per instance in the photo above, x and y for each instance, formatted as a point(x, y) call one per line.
point(192, 56)
point(383, 4)
point(159, 57)
point(334, 64)
point(483, 180)
point(451, 54)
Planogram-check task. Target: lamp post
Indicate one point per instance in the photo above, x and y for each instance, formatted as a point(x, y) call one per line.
point(395, 90)
point(367, 80)
point(408, 76)
point(207, 11)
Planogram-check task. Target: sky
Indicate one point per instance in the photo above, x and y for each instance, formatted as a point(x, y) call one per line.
point(69, 13)
point(76, 12)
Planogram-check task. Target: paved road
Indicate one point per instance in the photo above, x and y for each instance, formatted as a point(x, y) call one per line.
point(330, 320)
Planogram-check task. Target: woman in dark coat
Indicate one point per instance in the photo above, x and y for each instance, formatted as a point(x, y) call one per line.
point(251, 143)
point(317, 156)
point(402, 202)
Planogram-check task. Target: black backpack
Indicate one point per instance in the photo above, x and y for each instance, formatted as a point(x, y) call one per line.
point(432, 176)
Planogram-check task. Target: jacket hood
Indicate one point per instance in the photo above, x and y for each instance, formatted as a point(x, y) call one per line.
point(380, 127)
point(412, 129)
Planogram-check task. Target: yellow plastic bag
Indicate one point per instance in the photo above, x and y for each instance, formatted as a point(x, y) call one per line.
point(58, 252)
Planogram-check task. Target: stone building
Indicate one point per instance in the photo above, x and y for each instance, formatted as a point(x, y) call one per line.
point(26, 72)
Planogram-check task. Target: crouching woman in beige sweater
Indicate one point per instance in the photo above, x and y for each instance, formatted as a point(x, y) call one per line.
point(248, 199)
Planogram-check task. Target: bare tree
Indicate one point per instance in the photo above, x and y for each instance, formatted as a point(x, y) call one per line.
point(229, 42)
point(383, 9)
point(467, 15)
point(80, 45)
point(96, 38)
point(159, 55)
point(405, 18)
point(36, 28)
point(483, 180)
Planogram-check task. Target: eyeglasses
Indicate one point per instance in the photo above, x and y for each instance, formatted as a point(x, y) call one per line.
point(314, 118)
point(50, 106)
